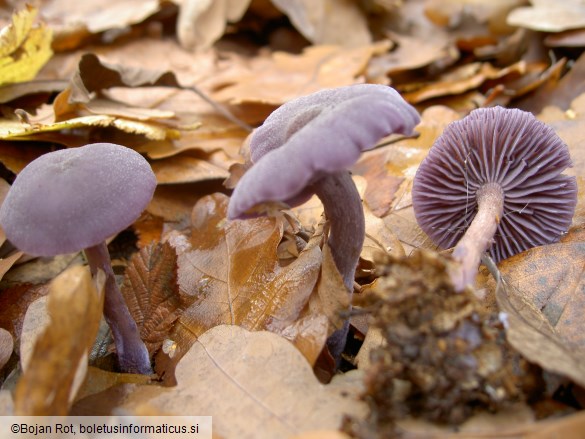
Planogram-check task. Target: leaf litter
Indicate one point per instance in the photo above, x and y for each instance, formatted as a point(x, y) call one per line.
point(184, 87)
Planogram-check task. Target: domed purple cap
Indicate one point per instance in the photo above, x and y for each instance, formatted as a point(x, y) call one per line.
point(72, 199)
point(509, 147)
point(314, 135)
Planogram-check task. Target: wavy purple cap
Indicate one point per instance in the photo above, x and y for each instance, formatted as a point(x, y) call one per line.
point(314, 135)
point(512, 148)
point(72, 199)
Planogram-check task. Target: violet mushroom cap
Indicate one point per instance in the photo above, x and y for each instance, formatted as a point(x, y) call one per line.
point(314, 135)
point(508, 150)
point(73, 199)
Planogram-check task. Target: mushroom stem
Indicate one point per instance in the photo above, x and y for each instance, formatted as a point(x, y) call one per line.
point(132, 353)
point(343, 208)
point(479, 236)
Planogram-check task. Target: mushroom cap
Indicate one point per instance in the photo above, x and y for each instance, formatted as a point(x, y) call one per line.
point(314, 135)
point(509, 147)
point(71, 199)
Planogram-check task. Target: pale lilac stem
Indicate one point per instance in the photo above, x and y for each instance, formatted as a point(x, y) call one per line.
point(132, 353)
point(479, 236)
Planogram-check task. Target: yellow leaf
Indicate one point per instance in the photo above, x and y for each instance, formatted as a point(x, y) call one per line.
point(24, 48)
point(11, 129)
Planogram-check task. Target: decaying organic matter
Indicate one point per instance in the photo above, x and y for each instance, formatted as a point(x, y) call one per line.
point(445, 355)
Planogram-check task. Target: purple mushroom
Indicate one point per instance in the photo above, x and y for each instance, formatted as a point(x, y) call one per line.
point(306, 146)
point(73, 199)
point(492, 182)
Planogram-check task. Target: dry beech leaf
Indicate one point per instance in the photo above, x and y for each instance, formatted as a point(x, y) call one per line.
point(188, 167)
point(551, 278)
point(14, 302)
point(531, 334)
point(372, 341)
point(148, 228)
point(255, 385)
point(74, 305)
point(413, 52)
point(151, 291)
point(372, 166)
point(215, 133)
point(99, 380)
point(459, 80)
point(231, 271)
point(6, 347)
point(6, 403)
point(281, 76)
point(322, 434)
point(309, 335)
point(445, 12)
point(11, 92)
point(549, 16)
point(174, 203)
point(380, 239)
point(332, 298)
point(320, 21)
point(36, 321)
point(7, 262)
point(94, 75)
point(102, 16)
point(202, 23)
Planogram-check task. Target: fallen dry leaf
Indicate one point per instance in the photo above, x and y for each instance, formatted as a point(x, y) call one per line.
point(14, 302)
point(459, 80)
point(30, 129)
point(231, 271)
point(531, 334)
point(413, 52)
point(24, 47)
point(99, 17)
point(174, 203)
point(11, 92)
point(75, 307)
point(320, 21)
point(308, 334)
point(548, 16)
point(15, 155)
point(188, 167)
point(380, 239)
point(219, 376)
point(6, 347)
point(152, 294)
point(332, 298)
point(99, 380)
point(372, 166)
point(551, 278)
point(446, 12)
point(94, 75)
point(280, 77)
point(7, 262)
point(202, 23)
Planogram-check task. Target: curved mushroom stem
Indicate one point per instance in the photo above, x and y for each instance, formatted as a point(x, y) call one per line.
point(479, 236)
point(343, 207)
point(132, 353)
